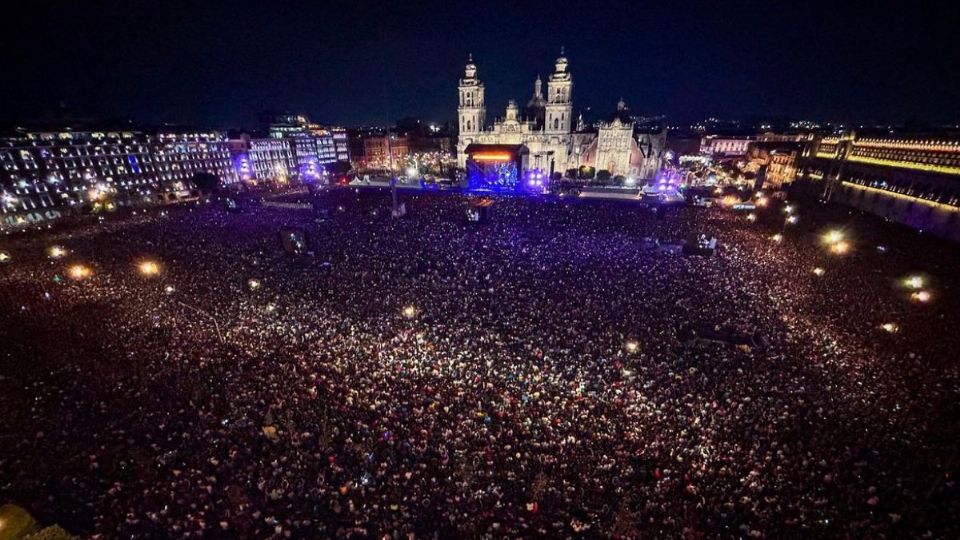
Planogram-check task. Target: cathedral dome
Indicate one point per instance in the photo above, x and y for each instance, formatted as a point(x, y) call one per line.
point(622, 114)
point(470, 71)
point(561, 63)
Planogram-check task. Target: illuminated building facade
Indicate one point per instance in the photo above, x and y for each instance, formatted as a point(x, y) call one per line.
point(775, 159)
point(547, 129)
point(714, 145)
point(913, 181)
point(46, 174)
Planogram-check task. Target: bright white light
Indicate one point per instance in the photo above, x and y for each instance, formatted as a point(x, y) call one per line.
point(840, 248)
point(890, 327)
point(818, 271)
point(833, 237)
point(792, 220)
point(55, 252)
point(632, 346)
point(4, 257)
point(411, 172)
point(409, 312)
point(788, 209)
point(254, 284)
point(169, 289)
point(79, 271)
point(914, 282)
point(921, 296)
point(148, 268)
point(777, 237)
point(751, 217)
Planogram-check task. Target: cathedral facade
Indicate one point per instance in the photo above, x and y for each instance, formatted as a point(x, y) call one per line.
point(546, 128)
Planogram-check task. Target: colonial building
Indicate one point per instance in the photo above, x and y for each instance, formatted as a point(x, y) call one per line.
point(45, 174)
point(547, 129)
point(914, 181)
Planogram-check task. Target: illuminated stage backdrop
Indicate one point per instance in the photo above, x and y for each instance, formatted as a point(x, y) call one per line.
point(495, 167)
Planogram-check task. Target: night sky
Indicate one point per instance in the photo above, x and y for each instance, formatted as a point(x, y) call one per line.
point(220, 63)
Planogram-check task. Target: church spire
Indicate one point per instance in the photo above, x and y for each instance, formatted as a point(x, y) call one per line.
point(537, 87)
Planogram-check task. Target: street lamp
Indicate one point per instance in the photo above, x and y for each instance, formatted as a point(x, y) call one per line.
point(55, 252)
point(78, 272)
point(840, 248)
point(409, 312)
point(921, 296)
point(833, 237)
point(914, 282)
point(148, 268)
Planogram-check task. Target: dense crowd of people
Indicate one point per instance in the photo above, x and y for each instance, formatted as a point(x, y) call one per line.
point(549, 374)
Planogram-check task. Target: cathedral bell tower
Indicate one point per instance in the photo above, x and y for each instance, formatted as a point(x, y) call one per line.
point(471, 112)
point(559, 107)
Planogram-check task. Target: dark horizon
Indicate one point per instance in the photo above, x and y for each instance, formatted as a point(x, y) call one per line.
point(360, 63)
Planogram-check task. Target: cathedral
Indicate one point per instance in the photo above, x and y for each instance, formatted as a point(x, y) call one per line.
point(546, 128)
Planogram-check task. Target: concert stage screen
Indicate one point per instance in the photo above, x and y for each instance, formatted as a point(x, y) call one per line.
point(492, 175)
point(495, 167)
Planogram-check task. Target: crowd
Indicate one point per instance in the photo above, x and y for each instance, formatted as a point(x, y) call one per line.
point(545, 375)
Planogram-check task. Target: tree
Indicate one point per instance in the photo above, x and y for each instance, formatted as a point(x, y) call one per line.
point(586, 172)
point(571, 173)
point(619, 180)
point(603, 175)
point(206, 181)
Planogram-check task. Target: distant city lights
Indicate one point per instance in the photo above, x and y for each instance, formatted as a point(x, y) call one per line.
point(632, 346)
point(777, 237)
point(751, 217)
point(819, 271)
point(921, 296)
point(890, 327)
point(792, 220)
point(409, 312)
point(169, 289)
point(254, 284)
